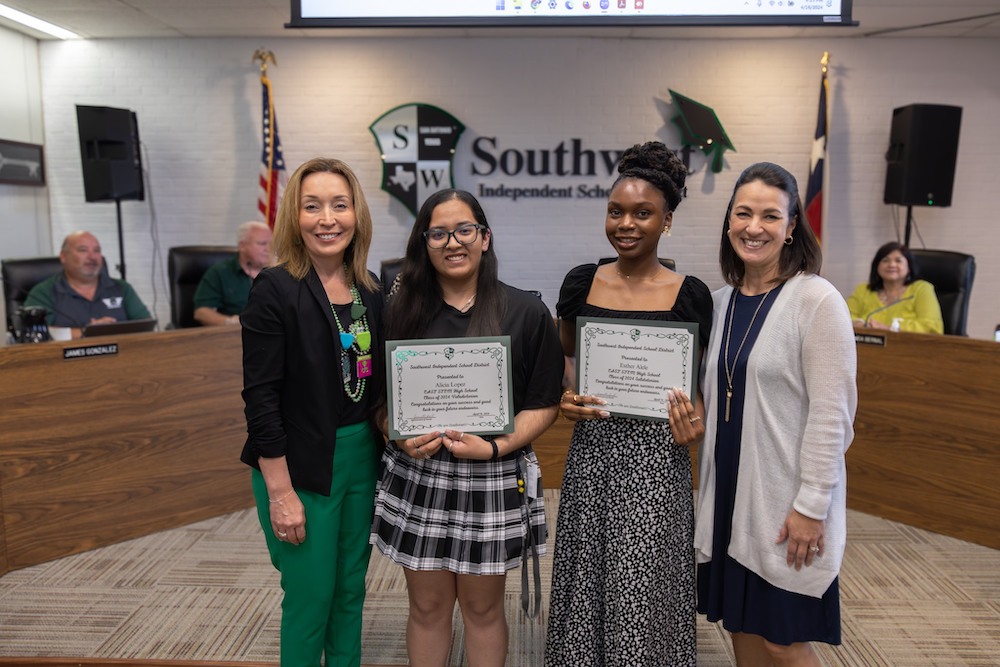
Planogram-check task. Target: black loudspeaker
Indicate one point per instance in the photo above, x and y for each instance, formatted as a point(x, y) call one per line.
point(109, 152)
point(923, 148)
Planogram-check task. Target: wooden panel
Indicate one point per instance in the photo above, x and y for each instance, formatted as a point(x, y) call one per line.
point(551, 449)
point(101, 449)
point(926, 451)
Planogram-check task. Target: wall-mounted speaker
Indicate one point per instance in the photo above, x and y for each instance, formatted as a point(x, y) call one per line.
point(923, 148)
point(109, 153)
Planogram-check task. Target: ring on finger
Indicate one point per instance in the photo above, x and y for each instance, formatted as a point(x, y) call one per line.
point(694, 419)
point(814, 549)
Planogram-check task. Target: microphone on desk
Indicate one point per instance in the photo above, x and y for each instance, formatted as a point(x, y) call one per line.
point(881, 308)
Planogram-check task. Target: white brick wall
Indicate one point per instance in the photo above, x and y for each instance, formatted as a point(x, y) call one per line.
point(198, 105)
point(21, 120)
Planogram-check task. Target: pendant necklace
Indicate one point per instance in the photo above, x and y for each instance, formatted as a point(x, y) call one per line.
point(468, 304)
point(628, 276)
point(356, 340)
point(729, 333)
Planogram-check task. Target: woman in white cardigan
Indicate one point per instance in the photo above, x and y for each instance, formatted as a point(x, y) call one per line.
point(780, 396)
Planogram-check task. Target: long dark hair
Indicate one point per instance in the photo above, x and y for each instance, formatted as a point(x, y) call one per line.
point(803, 254)
point(418, 297)
point(875, 282)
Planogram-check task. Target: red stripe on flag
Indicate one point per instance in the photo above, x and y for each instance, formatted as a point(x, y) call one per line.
point(814, 213)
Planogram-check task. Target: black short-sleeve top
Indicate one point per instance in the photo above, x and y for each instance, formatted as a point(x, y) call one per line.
point(536, 355)
point(693, 304)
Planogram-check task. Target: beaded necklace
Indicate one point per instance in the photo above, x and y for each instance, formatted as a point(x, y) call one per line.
point(356, 340)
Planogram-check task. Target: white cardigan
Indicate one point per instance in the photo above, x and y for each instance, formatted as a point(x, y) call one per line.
point(798, 413)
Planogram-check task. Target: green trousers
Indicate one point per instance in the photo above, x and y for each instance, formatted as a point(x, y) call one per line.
point(323, 578)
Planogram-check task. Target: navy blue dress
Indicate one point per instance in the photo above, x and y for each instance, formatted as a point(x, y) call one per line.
point(726, 590)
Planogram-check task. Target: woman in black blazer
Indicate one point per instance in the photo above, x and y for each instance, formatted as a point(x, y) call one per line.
point(312, 370)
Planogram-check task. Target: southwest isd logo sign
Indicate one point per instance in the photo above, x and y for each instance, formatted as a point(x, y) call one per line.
point(417, 142)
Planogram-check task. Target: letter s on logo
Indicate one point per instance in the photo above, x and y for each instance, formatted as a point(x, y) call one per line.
point(400, 131)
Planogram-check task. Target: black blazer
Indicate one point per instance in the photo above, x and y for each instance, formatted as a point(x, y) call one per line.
point(292, 387)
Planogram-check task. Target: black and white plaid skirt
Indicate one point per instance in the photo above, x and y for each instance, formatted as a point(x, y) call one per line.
point(460, 515)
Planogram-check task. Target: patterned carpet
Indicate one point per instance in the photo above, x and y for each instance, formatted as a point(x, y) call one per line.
point(207, 592)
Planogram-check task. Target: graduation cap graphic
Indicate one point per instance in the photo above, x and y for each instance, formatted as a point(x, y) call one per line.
point(700, 128)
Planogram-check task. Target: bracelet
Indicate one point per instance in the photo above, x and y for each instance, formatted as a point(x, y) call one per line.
point(496, 450)
point(278, 500)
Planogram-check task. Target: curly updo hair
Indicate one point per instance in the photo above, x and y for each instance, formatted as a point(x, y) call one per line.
point(659, 166)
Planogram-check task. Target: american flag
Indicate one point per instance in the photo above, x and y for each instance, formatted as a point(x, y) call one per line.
point(273, 177)
point(814, 190)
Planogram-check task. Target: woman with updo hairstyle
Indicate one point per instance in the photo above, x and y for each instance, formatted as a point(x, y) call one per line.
point(623, 582)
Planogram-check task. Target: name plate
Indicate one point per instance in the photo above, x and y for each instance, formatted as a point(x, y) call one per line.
point(869, 339)
point(90, 351)
point(455, 383)
point(633, 364)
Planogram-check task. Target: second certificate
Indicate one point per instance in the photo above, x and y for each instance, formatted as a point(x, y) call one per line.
point(457, 383)
point(632, 364)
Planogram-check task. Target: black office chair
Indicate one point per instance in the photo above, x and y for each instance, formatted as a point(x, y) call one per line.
point(389, 270)
point(665, 261)
point(185, 267)
point(952, 274)
point(20, 275)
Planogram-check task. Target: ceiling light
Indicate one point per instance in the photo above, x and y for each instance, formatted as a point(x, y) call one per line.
point(36, 23)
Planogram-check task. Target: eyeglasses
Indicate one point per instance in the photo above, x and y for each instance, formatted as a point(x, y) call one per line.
point(439, 238)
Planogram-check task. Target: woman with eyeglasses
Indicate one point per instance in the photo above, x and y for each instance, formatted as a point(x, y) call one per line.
point(448, 508)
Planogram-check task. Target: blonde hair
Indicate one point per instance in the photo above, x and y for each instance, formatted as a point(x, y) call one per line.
point(289, 250)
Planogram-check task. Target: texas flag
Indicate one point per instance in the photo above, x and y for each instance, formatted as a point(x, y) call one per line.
point(814, 191)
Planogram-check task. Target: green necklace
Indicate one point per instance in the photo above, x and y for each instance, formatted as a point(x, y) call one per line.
point(355, 341)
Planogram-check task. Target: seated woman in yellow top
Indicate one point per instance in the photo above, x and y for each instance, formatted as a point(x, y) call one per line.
point(894, 293)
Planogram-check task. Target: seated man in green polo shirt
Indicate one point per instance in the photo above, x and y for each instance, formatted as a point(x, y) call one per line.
point(84, 293)
point(222, 293)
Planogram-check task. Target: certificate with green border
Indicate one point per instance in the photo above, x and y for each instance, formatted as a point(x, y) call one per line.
point(632, 364)
point(449, 383)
